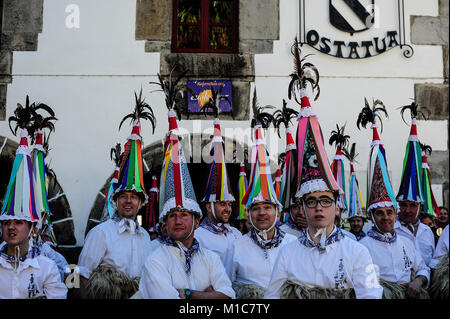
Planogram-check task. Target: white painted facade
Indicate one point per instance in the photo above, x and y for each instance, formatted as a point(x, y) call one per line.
point(89, 75)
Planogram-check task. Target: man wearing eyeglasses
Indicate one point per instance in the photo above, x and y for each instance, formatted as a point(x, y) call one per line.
point(115, 251)
point(322, 263)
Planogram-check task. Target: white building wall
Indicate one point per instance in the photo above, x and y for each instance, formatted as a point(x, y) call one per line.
point(89, 75)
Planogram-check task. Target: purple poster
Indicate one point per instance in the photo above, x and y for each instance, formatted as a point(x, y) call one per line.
point(202, 88)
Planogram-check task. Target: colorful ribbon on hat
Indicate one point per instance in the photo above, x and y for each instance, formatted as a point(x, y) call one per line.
point(355, 207)
point(242, 186)
point(39, 176)
point(337, 167)
point(288, 175)
point(378, 155)
point(217, 187)
point(430, 205)
point(260, 187)
point(277, 182)
point(411, 182)
point(19, 199)
point(131, 173)
point(151, 208)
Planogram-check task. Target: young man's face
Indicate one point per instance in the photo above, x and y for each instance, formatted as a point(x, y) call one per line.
point(317, 215)
point(15, 232)
point(356, 224)
point(298, 215)
point(263, 215)
point(222, 210)
point(385, 218)
point(409, 211)
point(128, 204)
point(179, 224)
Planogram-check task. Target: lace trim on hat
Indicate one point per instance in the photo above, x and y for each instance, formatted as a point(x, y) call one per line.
point(380, 204)
point(189, 206)
point(315, 185)
point(305, 112)
point(14, 217)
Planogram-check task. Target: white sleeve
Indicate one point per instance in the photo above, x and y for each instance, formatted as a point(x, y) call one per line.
point(419, 266)
point(278, 277)
point(53, 286)
point(156, 282)
point(230, 264)
point(441, 249)
point(427, 245)
point(59, 259)
point(364, 275)
point(219, 278)
point(93, 251)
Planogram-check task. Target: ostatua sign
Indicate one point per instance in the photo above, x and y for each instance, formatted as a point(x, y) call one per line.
point(353, 29)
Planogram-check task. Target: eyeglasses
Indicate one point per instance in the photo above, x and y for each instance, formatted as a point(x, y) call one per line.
point(324, 202)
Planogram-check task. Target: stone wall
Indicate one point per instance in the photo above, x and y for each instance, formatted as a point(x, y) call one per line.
point(427, 30)
point(259, 26)
point(22, 22)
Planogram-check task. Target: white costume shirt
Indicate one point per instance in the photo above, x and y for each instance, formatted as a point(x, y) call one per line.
point(344, 264)
point(164, 273)
point(289, 230)
point(348, 234)
point(34, 277)
point(247, 263)
point(441, 249)
point(49, 252)
point(396, 260)
point(424, 239)
point(218, 243)
point(112, 244)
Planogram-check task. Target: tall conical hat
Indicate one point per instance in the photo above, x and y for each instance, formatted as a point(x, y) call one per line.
point(151, 210)
point(337, 165)
point(176, 189)
point(19, 203)
point(430, 205)
point(260, 187)
point(379, 188)
point(411, 182)
point(131, 174)
point(277, 182)
point(243, 185)
point(218, 186)
point(109, 209)
point(314, 171)
point(355, 203)
point(288, 177)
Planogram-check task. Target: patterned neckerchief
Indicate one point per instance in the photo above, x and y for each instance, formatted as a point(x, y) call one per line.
point(127, 224)
point(33, 252)
point(385, 238)
point(293, 225)
point(335, 236)
point(272, 243)
point(206, 224)
point(360, 236)
point(188, 252)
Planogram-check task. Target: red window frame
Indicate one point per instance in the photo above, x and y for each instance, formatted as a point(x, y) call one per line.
point(204, 29)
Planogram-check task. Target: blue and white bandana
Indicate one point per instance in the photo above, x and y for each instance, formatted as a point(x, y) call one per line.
point(268, 244)
point(188, 252)
point(206, 224)
point(335, 236)
point(33, 252)
point(385, 238)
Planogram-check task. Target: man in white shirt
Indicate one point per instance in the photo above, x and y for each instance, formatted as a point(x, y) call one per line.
point(116, 248)
point(24, 271)
point(296, 221)
point(252, 257)
point(409, 226)
point(396, 258)
point(215, 232)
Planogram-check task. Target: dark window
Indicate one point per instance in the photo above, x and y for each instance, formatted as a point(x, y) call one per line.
point(205, 26)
